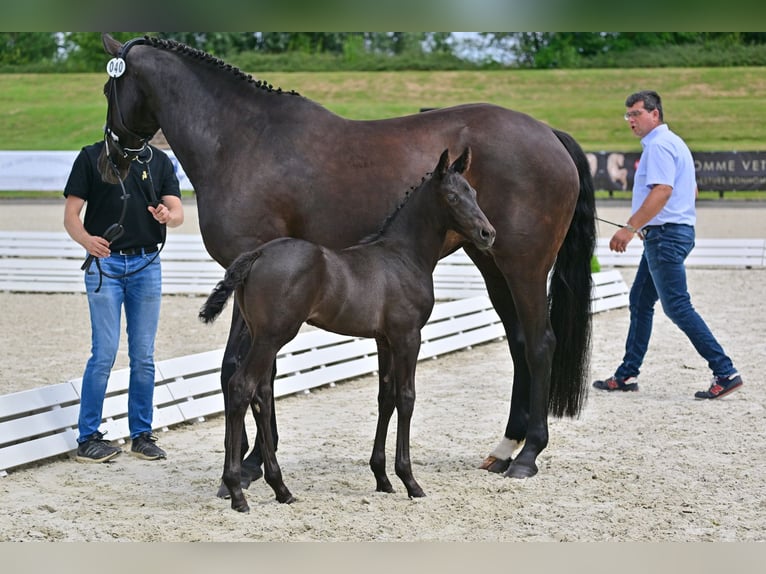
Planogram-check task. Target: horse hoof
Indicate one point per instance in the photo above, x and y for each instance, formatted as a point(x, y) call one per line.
point(417, 493)
point(248, 475)
point(385, 486)
point(496, 465)
point(521, 471)
point(243, 508)
point(223, 491)
point(286, 498)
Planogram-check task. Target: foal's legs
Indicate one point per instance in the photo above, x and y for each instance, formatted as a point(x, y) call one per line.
point(252, 386)
point(236, 349)
point(260, 364)
point(241, 389)
point(404, 357)
point(386, 404)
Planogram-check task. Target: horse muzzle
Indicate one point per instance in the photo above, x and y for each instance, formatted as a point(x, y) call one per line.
point(112, 169)
point(484, 237)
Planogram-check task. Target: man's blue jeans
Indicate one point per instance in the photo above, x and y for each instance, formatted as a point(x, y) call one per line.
point(139, 293)
point(662, 275)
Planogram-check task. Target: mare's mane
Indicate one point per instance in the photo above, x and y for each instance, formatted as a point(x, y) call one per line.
point(188, 51)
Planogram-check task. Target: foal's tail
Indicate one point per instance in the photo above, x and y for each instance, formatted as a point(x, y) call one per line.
point(235, 276)
point(570, 295)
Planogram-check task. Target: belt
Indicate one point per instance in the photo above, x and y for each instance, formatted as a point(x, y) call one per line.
point(647, 228)
point(138, 250)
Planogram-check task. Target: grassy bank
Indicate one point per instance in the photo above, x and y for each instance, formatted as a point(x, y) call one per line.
point(715, 109)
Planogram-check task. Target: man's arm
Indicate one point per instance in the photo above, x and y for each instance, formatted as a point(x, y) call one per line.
point(653, 204)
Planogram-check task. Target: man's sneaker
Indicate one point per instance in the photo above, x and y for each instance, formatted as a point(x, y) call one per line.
point(143, 447)
point(617, 384)
point(96, 449)
point(720, 387)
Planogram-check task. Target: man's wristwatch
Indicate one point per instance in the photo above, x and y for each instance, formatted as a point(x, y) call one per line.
point(630, 228)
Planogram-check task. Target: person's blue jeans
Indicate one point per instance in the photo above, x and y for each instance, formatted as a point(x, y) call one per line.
point(661, 275)
point(139, 293)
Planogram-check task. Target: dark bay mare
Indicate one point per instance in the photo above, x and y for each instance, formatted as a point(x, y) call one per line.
point(267, 163)
point(381, 288)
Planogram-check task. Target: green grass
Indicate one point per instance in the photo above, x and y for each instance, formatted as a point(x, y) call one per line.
point(714, 109)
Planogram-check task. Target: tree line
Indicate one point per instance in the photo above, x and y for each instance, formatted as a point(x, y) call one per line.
point(82, 51)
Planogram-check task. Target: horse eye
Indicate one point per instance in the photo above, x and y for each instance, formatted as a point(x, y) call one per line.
point(452, 197)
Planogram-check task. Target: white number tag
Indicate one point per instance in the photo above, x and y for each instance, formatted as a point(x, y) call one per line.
point(115, 67)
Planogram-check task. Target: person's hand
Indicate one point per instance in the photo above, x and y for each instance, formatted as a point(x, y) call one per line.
point(160, 213)
point(620, 240)
point(97, 246)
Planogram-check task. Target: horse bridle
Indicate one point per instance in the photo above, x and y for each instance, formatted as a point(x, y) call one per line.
point(115, 68)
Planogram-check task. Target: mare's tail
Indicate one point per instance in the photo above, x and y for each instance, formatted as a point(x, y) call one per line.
point(570, 296)
point(235, 276)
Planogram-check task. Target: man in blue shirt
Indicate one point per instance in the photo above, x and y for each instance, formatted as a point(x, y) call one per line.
point(663, 216)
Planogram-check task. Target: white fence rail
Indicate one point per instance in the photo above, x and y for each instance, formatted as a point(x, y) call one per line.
point(748, 253)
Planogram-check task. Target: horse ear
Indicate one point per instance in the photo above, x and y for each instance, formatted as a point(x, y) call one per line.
point(111, 45)
point(462, 163)
point(441, 168)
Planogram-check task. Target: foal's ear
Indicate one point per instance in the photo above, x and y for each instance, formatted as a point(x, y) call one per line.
point(443, 165)
point(111, 45)
point(462, 163)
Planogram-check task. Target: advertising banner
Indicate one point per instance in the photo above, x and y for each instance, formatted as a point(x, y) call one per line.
point(49, 170)
point(716, 171)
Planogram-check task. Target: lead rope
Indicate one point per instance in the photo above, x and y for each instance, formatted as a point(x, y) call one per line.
point(118, 230)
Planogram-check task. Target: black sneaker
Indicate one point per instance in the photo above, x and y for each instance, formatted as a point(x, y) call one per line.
point(96, 449)
point(143, 447)
point(721, 386)
point(617, 384)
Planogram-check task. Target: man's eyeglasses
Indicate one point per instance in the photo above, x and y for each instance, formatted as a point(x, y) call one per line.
point(633, 114)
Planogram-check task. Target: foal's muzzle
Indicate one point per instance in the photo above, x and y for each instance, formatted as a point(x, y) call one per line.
point(485, 237)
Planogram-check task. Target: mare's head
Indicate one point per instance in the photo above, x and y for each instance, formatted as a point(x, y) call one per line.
point(458, 198)
point(130, 123)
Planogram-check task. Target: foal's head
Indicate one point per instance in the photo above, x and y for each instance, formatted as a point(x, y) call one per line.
point(458, 198)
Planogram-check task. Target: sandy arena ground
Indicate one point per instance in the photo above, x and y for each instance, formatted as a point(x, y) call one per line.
point(655, 465)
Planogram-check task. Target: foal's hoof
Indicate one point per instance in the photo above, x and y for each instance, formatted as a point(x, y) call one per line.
point(243, 507)
point(286, 498)
point(384, 485)
point(252, 471)
point(493, 464)
point(417, 493)
point(521, 471)
point(248, 475)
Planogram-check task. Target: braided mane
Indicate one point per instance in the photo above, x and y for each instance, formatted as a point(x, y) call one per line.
point(180, 48)
point(391, 216)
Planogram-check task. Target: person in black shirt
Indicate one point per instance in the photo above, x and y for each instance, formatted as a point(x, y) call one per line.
point(121, 233)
